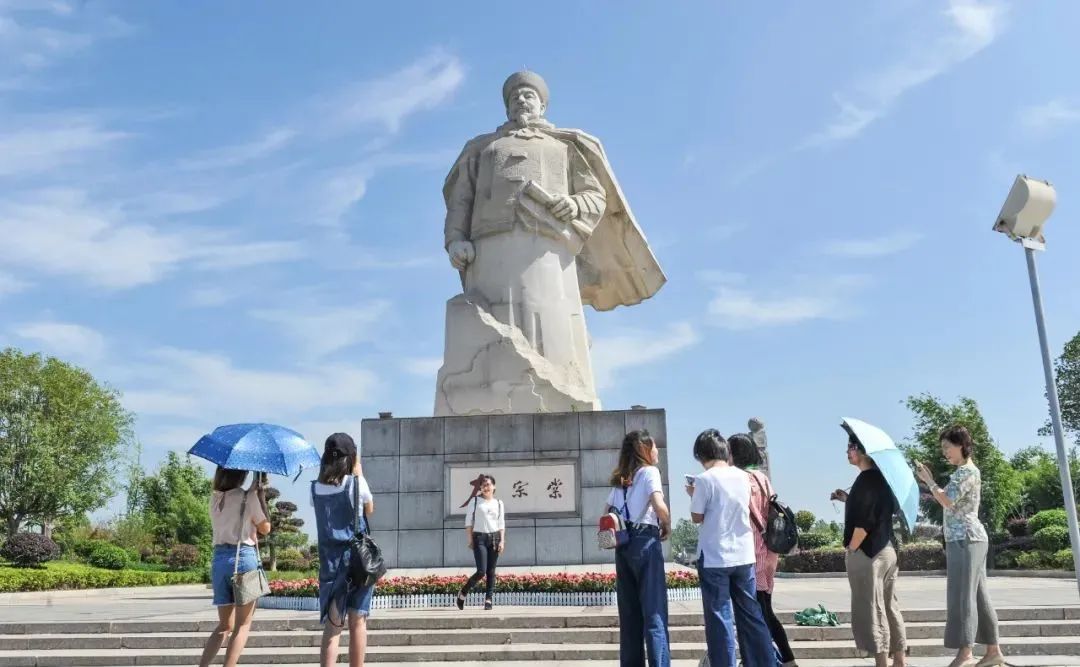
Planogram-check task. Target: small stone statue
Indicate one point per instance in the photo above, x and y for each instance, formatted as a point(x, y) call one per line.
point(757, 433)
point(537, 227)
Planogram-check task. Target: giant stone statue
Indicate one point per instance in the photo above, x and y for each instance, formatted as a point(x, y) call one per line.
point(537, 226)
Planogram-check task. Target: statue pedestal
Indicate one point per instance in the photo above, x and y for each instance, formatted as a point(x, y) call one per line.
point(552, 473)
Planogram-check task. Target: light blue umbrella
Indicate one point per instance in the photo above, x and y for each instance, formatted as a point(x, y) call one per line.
point(258, 447)
point(892, 464)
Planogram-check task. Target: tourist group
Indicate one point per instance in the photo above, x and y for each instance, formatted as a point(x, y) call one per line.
point(731, 501)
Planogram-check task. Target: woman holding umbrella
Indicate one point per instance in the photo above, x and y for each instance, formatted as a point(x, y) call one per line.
point(237, 521)
point(872, 569)
point(970, 618)
point(238, 518)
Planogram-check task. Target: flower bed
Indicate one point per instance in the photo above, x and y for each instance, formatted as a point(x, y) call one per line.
point(504, 583)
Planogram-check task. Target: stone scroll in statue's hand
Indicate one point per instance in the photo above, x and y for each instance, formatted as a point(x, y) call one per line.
point(538, 202)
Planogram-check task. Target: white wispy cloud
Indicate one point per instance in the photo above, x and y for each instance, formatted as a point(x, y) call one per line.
point(340, 188)
point(35, 35)
point(209, 389)
point(973, 25)
point(633, 348)
point(737, 305)
point(64, 339)
point(389, 100)
point(9, 284)
point(422, 366)
point(876, 247)
point(35, 144)
point(321, 331)
point(62, 232)
point(1051, 116)
point(237, 155)
point(210, 296)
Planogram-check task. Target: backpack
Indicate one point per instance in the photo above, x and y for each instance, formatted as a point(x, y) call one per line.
point(779, 533)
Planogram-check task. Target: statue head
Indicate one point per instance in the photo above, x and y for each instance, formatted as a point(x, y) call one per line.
point(525, 95)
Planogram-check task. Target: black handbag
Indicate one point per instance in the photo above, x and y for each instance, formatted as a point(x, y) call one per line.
point(366, 564)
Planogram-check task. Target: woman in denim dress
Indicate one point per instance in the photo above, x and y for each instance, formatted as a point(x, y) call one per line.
point(333, 496)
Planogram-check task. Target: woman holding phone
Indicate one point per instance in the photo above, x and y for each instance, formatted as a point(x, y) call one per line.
point(970, 617)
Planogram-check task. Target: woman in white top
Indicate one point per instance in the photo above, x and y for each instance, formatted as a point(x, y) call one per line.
point(640, 582)
point(238, 517)
point(485, 531)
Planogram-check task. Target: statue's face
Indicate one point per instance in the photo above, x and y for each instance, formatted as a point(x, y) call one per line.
point(524, 103)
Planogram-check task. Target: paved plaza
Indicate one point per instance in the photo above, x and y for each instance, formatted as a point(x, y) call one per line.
point(792, 594)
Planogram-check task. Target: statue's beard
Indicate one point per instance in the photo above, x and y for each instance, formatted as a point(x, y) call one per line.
point(523, 118)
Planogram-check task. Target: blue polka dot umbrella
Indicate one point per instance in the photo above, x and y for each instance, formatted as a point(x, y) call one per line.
point(258, 447)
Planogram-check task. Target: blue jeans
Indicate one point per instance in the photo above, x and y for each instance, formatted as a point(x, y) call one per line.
point(724, 589)
point(641, 586)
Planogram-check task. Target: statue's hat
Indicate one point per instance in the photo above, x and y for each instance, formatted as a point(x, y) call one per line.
point(525, 78)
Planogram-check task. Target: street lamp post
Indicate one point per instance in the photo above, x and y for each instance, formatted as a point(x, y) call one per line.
point(1029, 204)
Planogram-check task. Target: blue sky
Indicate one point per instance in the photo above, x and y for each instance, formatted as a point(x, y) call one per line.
point(233, 212)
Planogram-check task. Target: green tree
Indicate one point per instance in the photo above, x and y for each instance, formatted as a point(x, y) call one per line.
point(1067, 372)
point(175, 502)
point(284, 527)
point(61, 433)
point(685, 536)
point(1040, 479)
point(1000, 482)
point(805, 519)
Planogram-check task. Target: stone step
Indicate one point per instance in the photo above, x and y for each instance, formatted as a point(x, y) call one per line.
point(1015, 661)
point(499, 619)
point(486, 637)
point(834, 651)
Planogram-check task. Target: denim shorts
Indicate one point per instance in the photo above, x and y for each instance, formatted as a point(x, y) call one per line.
point(359, 600)
point(221, 570)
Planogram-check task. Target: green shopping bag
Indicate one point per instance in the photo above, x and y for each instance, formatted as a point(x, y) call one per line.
point(819, 617)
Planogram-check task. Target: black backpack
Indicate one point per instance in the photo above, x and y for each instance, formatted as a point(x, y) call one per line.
point(780, 533)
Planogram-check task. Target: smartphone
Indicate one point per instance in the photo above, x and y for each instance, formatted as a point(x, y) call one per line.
point(689, 479)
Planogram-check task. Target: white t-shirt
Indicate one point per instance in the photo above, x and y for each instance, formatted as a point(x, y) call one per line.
point(646, 482)
point(329, 489)
point(488, 517)
point(725, 537)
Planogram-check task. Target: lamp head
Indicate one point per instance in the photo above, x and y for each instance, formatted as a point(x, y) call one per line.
point(1029, 204)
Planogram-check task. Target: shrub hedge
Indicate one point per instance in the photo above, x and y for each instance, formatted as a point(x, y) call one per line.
point(808, 541)
point(1063, 559)
point(109, 557)
point(182, 557)
point(1056, 517)
point(29, 549)
point(73, 576)
point(920, 556)
point(1033, 560)
point(1052, 539)
point(1017, 526)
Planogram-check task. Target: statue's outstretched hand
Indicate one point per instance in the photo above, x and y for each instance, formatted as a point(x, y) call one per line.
point(461, 254)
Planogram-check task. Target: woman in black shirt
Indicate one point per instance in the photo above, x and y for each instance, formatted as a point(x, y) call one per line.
point(876, 621)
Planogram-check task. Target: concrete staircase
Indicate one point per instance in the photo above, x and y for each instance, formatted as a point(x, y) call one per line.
point(570, 637)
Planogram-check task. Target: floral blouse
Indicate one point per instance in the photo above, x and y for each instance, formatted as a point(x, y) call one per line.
point(965, 491)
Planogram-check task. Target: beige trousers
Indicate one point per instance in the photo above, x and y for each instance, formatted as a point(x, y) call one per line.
point(876, 621)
